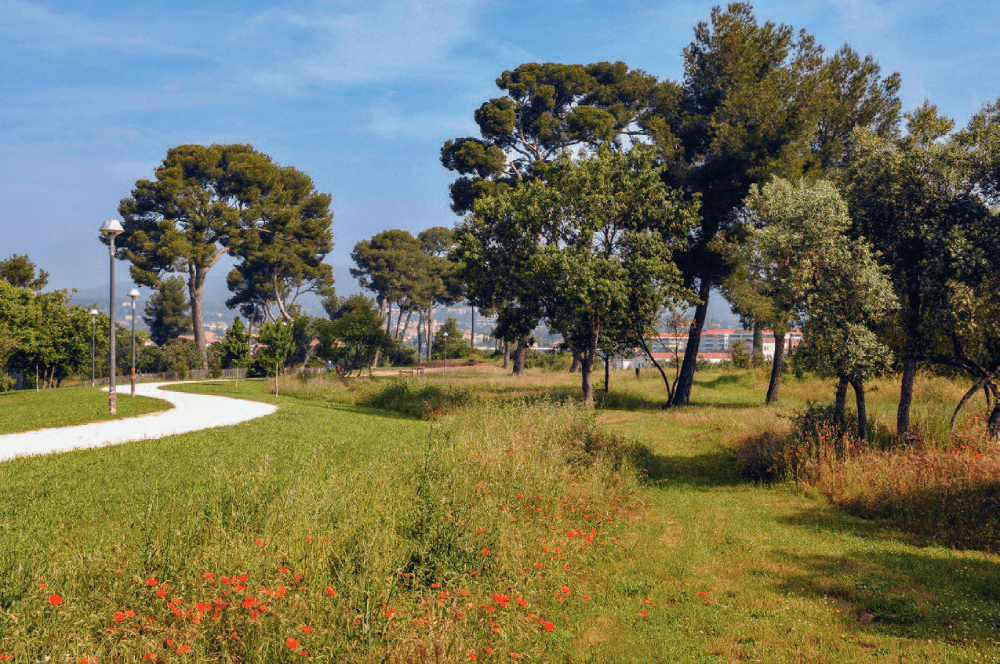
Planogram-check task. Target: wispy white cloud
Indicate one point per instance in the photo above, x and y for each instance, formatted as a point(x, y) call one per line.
point(383, 41)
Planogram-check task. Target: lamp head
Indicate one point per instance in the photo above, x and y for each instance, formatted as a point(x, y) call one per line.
point(134, 293)
point(93, 312)
point(112, 228)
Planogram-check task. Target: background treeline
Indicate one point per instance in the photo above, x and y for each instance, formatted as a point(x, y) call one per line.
point(599, 200)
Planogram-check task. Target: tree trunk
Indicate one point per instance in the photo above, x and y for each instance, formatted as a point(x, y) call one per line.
point(666, 379)
point(859, 399)
point(430, 330)
point(607, 373)
point(757, 349)
point(981, 385)
point(506, 354)
point(682, 395)
point(776, 366)
point(993, 424)
point(575, 364)
point(906, 397)
point(196, 291)
point(521, 355)
point(406, 325)
point(839, 400)
point(277, 298)
point(472, 334)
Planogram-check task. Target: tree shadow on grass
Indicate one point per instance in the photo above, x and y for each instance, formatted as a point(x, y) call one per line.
point(708, 471)
point(929, 593)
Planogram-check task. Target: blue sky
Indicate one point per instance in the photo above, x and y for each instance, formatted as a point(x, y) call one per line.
point(359, 95)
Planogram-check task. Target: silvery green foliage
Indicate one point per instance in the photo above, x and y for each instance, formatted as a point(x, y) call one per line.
point(832, 285)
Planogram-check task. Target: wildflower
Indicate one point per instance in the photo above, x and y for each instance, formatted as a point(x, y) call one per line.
point(471, 656)
point(643, 613)
point(260, 542)
point(522, 602)
point(43, 586)
point(208, 575)
point(331, 592)
point(702, 594)
point(586, 597)
point(485, 552)
point(119, 616)
point(306, 629)
point(548, 626)
point(55, 600)
point(151, 582)
point(292, 643)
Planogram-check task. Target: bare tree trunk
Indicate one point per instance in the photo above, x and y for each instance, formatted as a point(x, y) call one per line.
point(607, 374)
point(406, 326)
point(682, 395)
point(776, 366)
point(587, 368)
point(906, 397)
point(993, 424)
point(575, 364)
point(859, 399)
point(841, 398)
point(506, 354)
point(520, 355)
point(981, 385)
point(196, 292)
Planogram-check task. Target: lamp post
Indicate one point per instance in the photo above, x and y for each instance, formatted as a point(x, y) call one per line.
point(134, 293)
point(93, 346)
point(445, 335)
point(111, 229)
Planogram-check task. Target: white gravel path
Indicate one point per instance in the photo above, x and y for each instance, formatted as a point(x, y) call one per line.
point(191, 412)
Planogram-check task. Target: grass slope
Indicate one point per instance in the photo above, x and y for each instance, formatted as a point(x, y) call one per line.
point(354, 534)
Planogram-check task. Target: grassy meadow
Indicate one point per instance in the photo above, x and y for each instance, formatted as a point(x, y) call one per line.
point(475, 516)
point(28, 410)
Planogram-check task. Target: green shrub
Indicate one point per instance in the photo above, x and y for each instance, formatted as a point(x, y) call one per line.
point(180, 368)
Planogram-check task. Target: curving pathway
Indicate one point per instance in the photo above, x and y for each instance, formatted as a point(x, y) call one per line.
point(191, 412)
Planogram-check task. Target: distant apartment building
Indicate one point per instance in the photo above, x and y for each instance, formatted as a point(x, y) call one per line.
point(716, 345)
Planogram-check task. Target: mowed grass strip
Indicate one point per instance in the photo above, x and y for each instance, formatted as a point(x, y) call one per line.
point(28, 411)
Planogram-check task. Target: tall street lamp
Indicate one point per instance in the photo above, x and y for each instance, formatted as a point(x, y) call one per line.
point(93, 346)
point(111, 229)
point(134, 293)
point(445, 335)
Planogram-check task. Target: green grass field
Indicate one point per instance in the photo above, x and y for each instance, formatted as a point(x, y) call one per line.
point(27, 411)
point(477, 516)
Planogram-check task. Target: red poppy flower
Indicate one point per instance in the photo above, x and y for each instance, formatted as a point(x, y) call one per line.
point(292, 643)
point(548, 626)
point(151, 582)
point(55, 600)
point(260, 542)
